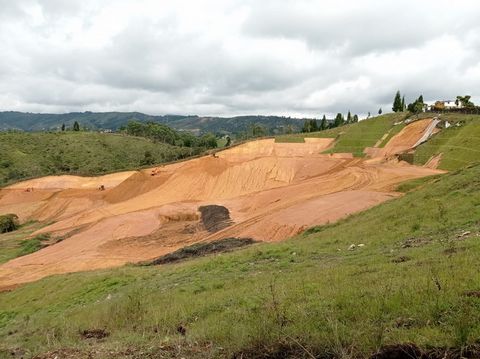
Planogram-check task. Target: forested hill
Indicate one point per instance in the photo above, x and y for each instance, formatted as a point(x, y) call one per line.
point(113, 120)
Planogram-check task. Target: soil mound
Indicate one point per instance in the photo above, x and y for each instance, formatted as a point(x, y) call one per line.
point(203, 249)
point(215, 218)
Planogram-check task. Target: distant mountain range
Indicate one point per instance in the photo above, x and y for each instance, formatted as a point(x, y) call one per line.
point(114, 120)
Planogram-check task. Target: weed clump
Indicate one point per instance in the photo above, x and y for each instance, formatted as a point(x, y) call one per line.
point(8, 223)
point(34, 244)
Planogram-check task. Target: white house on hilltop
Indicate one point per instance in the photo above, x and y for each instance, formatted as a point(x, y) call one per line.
point(448, 104)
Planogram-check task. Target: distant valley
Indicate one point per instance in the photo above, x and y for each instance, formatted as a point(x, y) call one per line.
point(10, 120)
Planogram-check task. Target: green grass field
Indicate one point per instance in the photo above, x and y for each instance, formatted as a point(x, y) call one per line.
point(17, 243)
point(458, 145)
point(26, 155)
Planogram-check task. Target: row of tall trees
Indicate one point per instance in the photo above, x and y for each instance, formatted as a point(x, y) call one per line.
point(398, 103)
point(313, 125)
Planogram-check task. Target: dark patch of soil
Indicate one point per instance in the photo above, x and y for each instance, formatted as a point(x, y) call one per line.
point(13, 353)
point(472, 293)
point(215, 218)
point(401, 259)
point(190, 229)
point(170, 351)
point(411, 351)
point(404, 322)
point(398, 351)
point(280, 351)
point(64, 354)
point(182, 330)
point(414, 242)
point(453, 250)
point(203, 249)
point(94, 333)
point(469, 352)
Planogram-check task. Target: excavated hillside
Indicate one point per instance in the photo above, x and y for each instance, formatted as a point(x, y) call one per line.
point(261, 190)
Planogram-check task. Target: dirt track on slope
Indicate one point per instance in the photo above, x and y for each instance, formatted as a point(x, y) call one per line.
point(407, 139)
point(271, 191)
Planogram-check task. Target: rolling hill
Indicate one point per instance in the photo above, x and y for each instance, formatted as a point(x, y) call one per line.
point(27, 155)
point(399, 278)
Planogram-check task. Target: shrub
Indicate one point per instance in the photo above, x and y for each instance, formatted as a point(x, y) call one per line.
point(8, 223)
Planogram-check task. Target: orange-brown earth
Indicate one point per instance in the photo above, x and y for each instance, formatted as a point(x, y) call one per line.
point(272, 191)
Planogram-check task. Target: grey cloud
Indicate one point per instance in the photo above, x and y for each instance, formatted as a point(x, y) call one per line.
point(291, 57)
point(368, 26)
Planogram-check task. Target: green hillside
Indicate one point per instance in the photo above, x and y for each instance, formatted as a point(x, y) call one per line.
point(354, 138)
point(26, 155)
point(414, 280)
point(458, 145)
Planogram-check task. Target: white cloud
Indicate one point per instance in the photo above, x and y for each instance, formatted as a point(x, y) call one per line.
point(302, 57)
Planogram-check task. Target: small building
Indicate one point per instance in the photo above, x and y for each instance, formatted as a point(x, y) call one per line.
point(447, 104)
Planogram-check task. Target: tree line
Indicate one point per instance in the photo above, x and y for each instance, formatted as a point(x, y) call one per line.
point(162, 133)
point(313, 125)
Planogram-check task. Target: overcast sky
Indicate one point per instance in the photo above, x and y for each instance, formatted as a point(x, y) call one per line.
point(232, 57)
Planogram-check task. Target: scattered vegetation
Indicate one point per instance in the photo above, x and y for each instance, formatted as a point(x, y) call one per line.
point(32, 245)
point(11, 243)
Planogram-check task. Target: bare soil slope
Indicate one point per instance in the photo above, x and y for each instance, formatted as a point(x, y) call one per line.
point(270, 190)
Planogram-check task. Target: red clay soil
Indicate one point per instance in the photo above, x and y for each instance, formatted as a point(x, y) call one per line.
point(271, 190)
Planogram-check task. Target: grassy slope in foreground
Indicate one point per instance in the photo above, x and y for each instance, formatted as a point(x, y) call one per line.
point(26, 155)
point(407, 284)
point(458, 145)
point(355, 137)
